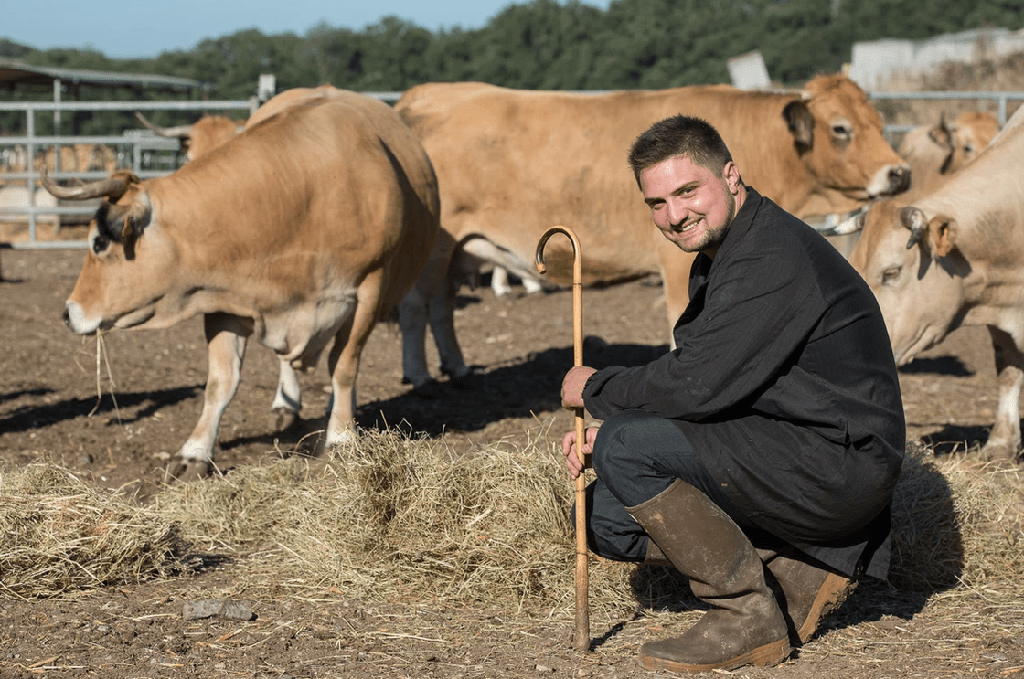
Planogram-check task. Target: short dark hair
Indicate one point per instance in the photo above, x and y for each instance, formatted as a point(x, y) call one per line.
point(679, 136)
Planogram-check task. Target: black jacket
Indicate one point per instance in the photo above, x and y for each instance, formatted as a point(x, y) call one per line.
point(784, 381)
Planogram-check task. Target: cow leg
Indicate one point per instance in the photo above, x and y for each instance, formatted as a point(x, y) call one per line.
point(531, 285)
point(442, 327)
point(226, 337)
point(412, 321)
point(675, 277)
point(1004, 440)
point(414, 313)
point(288, 398)
point(343, 361)
point(499, 281)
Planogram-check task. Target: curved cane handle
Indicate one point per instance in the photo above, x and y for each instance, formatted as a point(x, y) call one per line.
point(577, 285)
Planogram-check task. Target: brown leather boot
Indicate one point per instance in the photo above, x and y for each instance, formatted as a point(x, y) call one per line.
point(810, 590)
point(746, 626)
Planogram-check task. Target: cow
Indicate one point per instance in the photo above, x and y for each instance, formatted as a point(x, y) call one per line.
point(936, 151)
point(200, 137)
point(205, 135)
point(512, 163)
point(306, 228)
point(955, 256)
point(211, 131)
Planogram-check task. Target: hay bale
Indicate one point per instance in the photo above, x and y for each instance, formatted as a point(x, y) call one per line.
point(394, 516)
point(397, 518)
point(59, 535)
point(955, 522)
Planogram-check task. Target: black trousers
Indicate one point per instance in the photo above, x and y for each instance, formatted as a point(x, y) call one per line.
point(637, 456)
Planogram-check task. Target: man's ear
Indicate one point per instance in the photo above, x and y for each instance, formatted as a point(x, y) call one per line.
point(731, 173)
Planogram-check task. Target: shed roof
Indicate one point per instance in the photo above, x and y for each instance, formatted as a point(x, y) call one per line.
point(15, 71)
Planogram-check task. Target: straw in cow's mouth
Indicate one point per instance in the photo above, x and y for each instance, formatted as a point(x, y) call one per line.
point(101, 351)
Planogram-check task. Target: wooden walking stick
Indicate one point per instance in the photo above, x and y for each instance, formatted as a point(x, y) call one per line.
point(581, 641)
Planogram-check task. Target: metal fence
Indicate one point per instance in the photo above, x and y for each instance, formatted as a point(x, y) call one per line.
point(149, 155)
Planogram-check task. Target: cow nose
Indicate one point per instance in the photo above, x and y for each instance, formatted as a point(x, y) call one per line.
point(899, 178)
point(67, 317)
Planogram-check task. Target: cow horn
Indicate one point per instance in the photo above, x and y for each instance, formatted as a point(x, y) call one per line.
point(913, 219)
point(179, 132)
point(111, 186)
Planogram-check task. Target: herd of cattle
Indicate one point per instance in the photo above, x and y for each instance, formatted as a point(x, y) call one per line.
point(327, 211)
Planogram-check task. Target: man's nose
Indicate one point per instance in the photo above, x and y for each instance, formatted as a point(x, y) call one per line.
point(677, 215)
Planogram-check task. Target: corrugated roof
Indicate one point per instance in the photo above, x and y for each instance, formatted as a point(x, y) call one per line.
point(15, 71)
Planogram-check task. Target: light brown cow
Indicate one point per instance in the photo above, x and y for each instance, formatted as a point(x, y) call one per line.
point(73, 158)
point(200, 137)
point(512, 163)
point(955, 256)
point(211, 131)
point(207, 134)
point(936, 151)
point(307, 228)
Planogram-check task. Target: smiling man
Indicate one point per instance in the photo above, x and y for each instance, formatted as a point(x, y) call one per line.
point(760, 455)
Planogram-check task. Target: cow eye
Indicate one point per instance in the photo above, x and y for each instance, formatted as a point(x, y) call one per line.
point(968, 149)
point(100, 243)
point(891, 275)
point(842, 130)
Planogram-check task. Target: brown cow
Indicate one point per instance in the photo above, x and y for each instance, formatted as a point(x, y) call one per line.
point(512, 163)
point(200, 137)
point(210, 132)
point(936, 151)
point(955, 256)
point(307, 228)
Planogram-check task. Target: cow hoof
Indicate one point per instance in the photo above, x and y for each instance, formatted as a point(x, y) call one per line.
point(428, 389)
point(998, 451)
point(186, 471)
point(283, 419)
point(462, 378)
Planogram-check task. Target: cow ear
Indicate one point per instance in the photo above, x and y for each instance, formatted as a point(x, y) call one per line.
point(940, 230)
point(942, 235)
point(137, 217)
point(800, 121)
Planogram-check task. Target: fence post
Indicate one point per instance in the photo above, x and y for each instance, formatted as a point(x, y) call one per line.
point(30, 168)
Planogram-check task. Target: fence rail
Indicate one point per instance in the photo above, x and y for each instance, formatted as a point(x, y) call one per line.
point(145, 146)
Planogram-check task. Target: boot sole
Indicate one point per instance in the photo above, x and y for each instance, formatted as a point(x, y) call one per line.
point(830, 595)
point(762, 656)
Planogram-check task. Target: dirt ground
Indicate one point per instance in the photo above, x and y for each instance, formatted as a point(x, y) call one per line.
point(49, 405)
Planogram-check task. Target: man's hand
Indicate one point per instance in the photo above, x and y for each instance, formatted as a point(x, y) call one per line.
point(572, 386)
point(573, 459)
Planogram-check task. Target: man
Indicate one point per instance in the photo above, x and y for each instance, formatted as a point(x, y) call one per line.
point(759, 456)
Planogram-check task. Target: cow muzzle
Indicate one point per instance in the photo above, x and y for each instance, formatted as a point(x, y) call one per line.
point(890, 181)
point(77, 321)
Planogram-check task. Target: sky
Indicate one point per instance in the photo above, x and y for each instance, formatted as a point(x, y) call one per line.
point(145, 28)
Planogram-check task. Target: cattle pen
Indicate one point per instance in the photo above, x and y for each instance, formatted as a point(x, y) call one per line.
point(149, 155)
point(144, 152)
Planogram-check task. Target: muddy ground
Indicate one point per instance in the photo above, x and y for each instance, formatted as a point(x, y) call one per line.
point(49, 405)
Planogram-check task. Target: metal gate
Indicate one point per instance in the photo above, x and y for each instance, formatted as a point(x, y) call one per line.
point(137, 148)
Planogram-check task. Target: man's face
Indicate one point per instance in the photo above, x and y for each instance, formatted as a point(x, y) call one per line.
point(691, 205)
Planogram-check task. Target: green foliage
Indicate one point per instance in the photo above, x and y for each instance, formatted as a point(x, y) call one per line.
point(540, 44)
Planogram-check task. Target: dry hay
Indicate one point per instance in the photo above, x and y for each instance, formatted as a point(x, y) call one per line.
point(401, 519)
point(392, 517)
point(955, 521)
point(59, 535)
